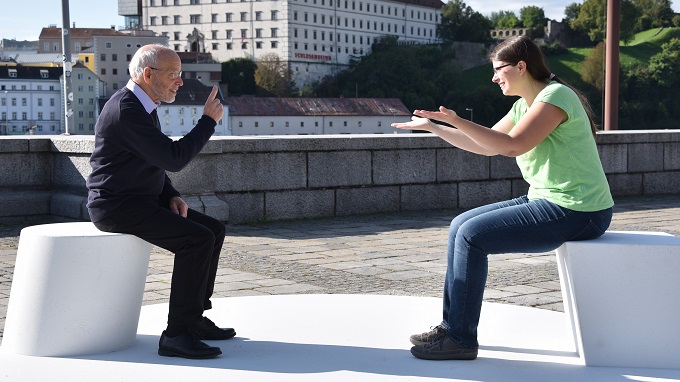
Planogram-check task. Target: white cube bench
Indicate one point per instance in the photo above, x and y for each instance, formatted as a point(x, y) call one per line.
point(621, 295)
point(75, 291)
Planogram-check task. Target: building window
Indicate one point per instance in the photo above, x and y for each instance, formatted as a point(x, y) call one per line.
point(230, 46)
point(213, 17)
point(153, 20)
point(194, 2)
point(195, 19)
point(258, 33)
point(114, 71)
point(244, 16)
point(275, 44)
point(244, 33)
point(258, 45)
point(230, 34)
point(258, 16)
point(102, 57)
point(176, 19)
point(164, 20)
point(275, 15)
point(175, 36)
point(213, 35)
point(275, 32)
point(229, 17)
point(244, 46)
point(214, 46)
point(103, 71)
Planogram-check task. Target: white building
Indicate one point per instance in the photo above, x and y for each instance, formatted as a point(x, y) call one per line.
point(105, 51)
point(314, 116)
point(315, 37)
point(31, 100)
point(283, 116)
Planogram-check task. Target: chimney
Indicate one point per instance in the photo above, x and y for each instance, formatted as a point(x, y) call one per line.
point(74, 25)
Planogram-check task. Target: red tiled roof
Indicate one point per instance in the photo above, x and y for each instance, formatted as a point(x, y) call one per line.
point(248, 106)
point(54, 32)
point(423, 3)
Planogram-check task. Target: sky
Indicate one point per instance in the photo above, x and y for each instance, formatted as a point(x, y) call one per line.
point(26, 18)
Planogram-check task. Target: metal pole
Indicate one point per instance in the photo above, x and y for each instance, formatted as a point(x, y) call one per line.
point(66, 48)
point(611, 92)
point(6, 112)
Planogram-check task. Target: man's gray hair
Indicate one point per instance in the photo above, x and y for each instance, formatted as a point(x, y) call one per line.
point(148, 55)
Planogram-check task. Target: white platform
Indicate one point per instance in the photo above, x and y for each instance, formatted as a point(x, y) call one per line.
point(339, 338)
point(75, 290)
point(620, 292)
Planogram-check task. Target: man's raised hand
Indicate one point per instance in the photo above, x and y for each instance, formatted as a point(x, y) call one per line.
point(213, 107)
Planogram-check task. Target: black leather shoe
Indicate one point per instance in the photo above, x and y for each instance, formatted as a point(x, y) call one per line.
point(207, 330)
point(186, 346)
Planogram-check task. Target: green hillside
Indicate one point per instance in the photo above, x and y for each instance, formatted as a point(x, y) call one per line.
point(568, 65)
point(645, 45)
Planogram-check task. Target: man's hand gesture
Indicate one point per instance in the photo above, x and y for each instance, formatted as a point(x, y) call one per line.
point(213, 107)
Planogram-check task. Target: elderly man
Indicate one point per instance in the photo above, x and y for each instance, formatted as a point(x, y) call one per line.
point(129, 192)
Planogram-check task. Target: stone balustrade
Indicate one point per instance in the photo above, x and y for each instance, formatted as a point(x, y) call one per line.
point(249, 179)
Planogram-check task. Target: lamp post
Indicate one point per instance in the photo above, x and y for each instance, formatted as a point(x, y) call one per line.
point(471, 110)
point(6, 111)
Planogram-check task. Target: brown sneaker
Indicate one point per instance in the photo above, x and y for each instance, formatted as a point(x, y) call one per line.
point(442, 349)
point(434, 334)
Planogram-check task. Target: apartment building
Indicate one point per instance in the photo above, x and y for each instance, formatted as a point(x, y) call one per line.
point(107, 52)
point(31, 100)
point(315, 37)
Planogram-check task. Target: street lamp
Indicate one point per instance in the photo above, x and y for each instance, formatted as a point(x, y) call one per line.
point(471, 113)
point(6, 111)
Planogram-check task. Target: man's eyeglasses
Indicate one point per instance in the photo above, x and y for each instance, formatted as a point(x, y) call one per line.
point(175, 74)
point(496, 69)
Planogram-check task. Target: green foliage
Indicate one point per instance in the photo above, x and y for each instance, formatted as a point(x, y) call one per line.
point(591, 19)
point(592, 70)
point(571, 12)
point(461, 23)
point(273, 75)
point(654, 14)
point(505, 20)
point(533, 17)
point(239, 75)
point(665, 66)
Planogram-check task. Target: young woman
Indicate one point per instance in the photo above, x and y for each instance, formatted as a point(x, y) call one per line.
point(551, 133)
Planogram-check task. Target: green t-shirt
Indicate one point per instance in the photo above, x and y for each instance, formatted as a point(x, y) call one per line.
point(565, 167)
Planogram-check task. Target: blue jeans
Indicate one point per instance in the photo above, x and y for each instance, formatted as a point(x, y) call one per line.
point(513, 226)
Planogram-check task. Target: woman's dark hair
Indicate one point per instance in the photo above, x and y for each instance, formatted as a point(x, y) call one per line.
point(522, 48)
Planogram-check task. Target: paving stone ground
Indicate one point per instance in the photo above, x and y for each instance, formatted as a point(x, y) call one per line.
point(395, 254)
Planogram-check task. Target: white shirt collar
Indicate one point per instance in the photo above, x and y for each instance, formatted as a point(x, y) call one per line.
point(148, 104)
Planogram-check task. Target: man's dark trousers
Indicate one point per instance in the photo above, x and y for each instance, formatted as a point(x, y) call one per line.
point(195, 240)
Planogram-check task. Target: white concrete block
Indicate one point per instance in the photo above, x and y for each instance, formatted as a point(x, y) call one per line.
point(622, 297)
point(75, 291)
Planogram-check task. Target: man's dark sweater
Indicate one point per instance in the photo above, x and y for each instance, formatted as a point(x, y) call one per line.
point(131, 155)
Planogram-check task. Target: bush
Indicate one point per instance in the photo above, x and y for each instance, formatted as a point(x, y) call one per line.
point(592, 70)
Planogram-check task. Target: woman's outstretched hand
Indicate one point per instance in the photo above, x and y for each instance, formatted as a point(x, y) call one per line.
point(421, 119)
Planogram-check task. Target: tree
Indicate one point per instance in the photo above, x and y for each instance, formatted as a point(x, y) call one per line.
point(592, 70)
point(532, 17)
point(571, 12)
point(461, 23)
point(664, 67)
point(657, 12)
point(592, 19)
point(239, 75)
point(505, 20)
point(273, 75)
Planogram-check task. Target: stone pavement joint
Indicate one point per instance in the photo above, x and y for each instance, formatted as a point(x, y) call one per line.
point(392, 254)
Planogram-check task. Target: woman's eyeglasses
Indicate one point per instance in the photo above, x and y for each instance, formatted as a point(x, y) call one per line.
point(496, 69)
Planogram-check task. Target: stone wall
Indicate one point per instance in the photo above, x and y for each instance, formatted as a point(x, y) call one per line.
point(249, 179)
